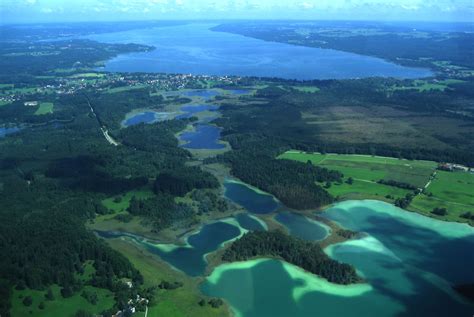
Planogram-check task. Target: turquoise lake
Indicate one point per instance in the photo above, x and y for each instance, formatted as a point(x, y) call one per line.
point(190, 257)
point(302, 227)
point(409, 263)
point(195, 49)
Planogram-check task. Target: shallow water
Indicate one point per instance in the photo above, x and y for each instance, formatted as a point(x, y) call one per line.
point(145, 117)
point(205, 136)
point(5, 131)
point(409, 262)
point(194, 49)
point(302, 227)
point(191, 110)
point(254, 201)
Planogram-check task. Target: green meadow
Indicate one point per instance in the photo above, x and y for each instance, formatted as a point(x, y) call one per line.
point(308, 89)
point(44, 108)
point(60, 306)
point(120, 203)
point(180, 302)
point(451, 190)
point(370, 169)
point(424, 85)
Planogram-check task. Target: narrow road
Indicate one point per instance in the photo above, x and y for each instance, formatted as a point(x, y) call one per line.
point(103, 129)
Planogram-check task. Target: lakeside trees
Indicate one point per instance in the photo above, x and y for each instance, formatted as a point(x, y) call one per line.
point(306, 255)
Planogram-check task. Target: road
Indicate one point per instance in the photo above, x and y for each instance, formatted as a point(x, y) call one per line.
point(103, 129)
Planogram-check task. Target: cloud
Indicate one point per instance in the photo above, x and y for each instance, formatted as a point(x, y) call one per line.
point(259, 9)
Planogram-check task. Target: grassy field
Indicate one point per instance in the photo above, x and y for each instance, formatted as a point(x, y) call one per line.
point(451, 190)
point(45, 108)
point(125, 88)
point(180, 302)
point(60, 306)
point(308, 89)
point(120, 203)
point(423, 85)
point(88, 75)
point(370, 169)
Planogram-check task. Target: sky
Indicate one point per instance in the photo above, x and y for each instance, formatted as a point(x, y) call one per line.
point(24, 11)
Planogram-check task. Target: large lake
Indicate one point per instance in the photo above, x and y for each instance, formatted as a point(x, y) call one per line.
point(409, 263)
point(195, 49)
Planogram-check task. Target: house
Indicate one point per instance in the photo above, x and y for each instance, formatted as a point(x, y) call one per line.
point(31, 103)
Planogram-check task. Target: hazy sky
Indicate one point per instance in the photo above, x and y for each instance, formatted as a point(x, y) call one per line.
point(89, 10)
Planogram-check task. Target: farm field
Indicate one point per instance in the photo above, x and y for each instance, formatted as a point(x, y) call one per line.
point(370, 168)
point(451, 190)
point(45, 108)
point(424, 85)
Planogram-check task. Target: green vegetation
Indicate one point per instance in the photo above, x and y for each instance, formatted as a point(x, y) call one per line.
point(393, 179)
point(88, 75)
point(424, 85)
point(450, 190)
point(306, 255)
point(44, 108)
point(121, 203)
point(307, 89)
point(124, 88)
point(182, 301)
point(370, 169)
point(60, 306)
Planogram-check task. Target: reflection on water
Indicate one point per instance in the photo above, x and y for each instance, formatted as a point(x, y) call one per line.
point(204, 136)
point(194, 49)
point(303, 227)
point(252, 200)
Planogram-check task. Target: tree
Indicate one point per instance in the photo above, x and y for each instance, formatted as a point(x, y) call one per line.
point(27, 301)
point(49, 295)
point(350, 181)
point(439, 211)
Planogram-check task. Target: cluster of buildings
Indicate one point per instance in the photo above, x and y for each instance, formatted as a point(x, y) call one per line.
point(450, 167)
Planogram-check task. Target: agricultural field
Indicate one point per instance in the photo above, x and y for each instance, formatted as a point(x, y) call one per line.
point(88, 75)
point(125, 88)
point(44, 108)
point(424, 85)
point(307, 89)
point(370, 169)
point(451, 190)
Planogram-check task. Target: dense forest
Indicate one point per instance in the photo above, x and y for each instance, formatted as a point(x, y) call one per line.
point(43, 234)
point(306, 255)
point(48, 56)
point(277, 118)
point(53, 179)
point(293, 183)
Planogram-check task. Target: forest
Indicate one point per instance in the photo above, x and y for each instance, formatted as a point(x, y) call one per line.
point(306, 255)
point(53, 180)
